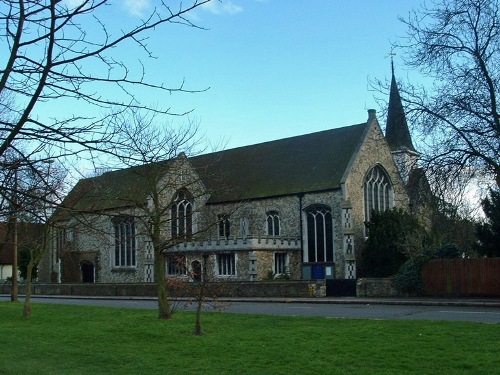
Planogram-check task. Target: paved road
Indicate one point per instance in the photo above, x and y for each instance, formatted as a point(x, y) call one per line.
point(337, 310)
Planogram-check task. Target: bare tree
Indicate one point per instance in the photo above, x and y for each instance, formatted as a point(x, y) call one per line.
point(455, 44)
point(206, 293)
point(161, 187)
point(46, 186)
point(63, 52)
point(35, 188)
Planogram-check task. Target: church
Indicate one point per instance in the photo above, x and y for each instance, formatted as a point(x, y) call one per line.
point(292, 208)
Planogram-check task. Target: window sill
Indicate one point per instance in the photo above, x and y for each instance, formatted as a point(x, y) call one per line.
point(226, 277)
point(124, 269)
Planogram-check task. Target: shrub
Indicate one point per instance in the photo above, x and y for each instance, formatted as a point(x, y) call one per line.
point(409, 277)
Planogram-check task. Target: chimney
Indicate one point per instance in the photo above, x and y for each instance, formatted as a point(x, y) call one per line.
point(372, 114)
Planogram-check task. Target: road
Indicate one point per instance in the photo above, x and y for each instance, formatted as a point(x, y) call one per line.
point(356, 311)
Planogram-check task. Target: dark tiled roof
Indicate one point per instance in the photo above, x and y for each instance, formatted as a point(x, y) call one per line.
point(396, 131)
point(117, 189)
point(306, 163)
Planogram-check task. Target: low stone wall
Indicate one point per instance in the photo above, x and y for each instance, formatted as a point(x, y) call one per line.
point(182, 289)
point(375, 287)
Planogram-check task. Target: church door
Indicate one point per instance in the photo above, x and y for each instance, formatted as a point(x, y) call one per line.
point(87, 272)
point(197, 270)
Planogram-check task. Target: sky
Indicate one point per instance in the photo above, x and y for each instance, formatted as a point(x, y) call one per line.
point(279, 68)
point(272, 69)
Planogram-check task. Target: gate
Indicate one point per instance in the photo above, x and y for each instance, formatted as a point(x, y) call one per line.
point(341, 287)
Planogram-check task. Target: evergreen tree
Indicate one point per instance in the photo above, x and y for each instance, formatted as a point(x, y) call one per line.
point(488, 232)
point(395, 236)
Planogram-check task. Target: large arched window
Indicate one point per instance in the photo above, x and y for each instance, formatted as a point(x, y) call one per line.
point(182, 215)
point(319, 234)
point(378, 191)
point(124, 228)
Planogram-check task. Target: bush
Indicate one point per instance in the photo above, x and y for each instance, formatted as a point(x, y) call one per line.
point(448, 251)
point(409, 277)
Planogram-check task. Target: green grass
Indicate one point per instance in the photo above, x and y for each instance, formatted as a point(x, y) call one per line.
point(59, 339)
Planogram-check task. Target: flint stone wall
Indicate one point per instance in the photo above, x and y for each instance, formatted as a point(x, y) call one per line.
point(186, 289)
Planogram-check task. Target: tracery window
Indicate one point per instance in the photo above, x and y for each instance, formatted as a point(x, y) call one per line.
point(273, 223)
point(319, 234)
point(182, 215)
point(377, 191)
point(224, 226)
point(61, 241)
point(124, 228)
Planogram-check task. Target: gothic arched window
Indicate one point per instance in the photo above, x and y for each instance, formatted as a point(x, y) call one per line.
point(124, 228)
point(378, 191)
point(319, 234)
point(182, 214)
point(273, 223)
point(224, 226)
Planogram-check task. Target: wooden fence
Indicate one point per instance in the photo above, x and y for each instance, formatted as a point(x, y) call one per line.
point(462, 277)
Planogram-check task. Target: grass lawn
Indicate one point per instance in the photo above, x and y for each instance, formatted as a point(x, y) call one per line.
point(59, 339)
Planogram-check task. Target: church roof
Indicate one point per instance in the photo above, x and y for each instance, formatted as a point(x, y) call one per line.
point(301, 164)
point(306, 163)
point(116, 189)
point(397, 133)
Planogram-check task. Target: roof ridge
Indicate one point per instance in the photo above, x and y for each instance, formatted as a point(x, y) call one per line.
point(280, 140)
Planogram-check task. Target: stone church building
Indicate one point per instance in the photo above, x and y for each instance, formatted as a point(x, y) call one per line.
point(293, 208)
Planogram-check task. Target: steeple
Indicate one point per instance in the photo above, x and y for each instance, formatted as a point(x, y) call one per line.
point(397, 133)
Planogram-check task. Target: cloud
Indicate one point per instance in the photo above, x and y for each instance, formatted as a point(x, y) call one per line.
point(136, 7)
point(133, 7)
point(73, 3)
point(222, 7)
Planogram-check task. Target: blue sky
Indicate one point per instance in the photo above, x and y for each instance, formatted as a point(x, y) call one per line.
point(274, 68)
point(283, 68)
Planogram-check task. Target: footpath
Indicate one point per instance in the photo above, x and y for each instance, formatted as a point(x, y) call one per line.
point(415, 301)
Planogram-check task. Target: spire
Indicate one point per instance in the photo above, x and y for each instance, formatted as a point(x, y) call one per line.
point(396, 131)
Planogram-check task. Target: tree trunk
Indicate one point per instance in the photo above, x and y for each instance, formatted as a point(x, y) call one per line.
point(164, 309)
point(201, 298)
point(27, 300)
